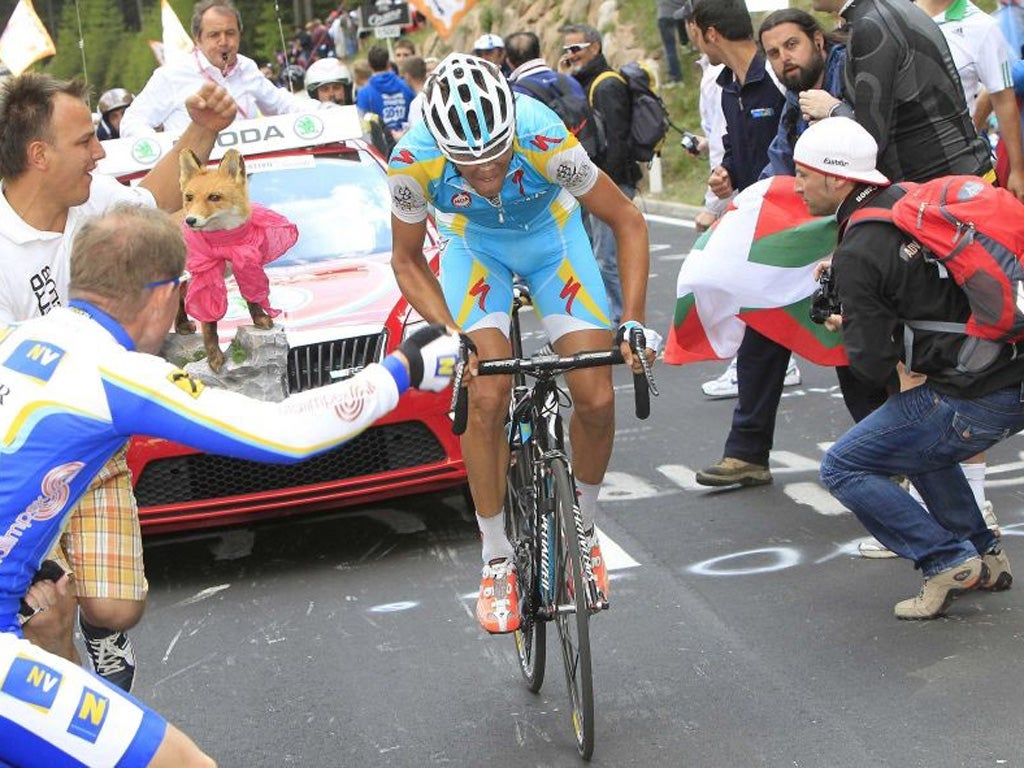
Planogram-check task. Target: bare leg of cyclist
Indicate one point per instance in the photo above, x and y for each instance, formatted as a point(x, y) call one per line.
point(177, 750)
point(485, 451)
point(591, 430)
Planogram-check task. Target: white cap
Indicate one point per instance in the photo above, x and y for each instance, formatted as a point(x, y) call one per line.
point(488, 42)
point(839, 146)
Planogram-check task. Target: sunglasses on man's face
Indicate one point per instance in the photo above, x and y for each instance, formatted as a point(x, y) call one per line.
point(575, 48)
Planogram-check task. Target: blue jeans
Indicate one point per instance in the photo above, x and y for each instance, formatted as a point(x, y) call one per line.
point(670, 29)
point(923, 435)
point(607, 254)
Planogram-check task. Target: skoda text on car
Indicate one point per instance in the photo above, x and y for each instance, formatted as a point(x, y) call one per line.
point(341, 310)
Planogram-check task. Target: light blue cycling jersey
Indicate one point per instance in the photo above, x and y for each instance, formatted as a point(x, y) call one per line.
point(532, 228)
point(72, 390)
point(548, 171)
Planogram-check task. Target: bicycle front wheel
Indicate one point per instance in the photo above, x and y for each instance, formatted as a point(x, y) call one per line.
point(572, 616)
point(521, 527)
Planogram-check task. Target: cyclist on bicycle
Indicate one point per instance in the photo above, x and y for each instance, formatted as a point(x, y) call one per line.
point(503, 176)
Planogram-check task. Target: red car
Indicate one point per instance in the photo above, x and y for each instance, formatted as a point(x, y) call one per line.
point(341, 310)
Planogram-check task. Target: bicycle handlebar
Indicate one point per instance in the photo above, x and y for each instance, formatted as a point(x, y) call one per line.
point(643, 383)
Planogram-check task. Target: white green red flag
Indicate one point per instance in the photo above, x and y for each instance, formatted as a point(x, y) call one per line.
point(755, 267)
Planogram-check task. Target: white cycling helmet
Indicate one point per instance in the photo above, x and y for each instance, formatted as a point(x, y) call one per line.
point(324, 71)
point(115, 98)
point(469, 109)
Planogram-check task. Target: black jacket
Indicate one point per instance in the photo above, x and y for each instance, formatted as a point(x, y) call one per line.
point(879, 289)
point(611, 100)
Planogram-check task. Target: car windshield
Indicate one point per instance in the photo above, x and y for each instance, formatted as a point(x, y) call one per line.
point(342, 207)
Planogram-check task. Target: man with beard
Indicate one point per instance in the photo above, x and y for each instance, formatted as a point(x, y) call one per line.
point(803, 56)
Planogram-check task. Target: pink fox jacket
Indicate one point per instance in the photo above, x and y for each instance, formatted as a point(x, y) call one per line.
point(260, 240)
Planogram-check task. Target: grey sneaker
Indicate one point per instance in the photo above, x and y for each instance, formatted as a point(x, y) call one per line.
point(989, 514)
point(731, 471)
point(873, 549)
point(111, 653)
point(940, 590)
point(997, 576)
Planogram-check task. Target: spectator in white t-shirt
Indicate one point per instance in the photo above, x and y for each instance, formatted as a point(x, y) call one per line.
point(414, 72)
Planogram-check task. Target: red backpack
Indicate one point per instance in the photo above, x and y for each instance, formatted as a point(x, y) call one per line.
point(976, 233)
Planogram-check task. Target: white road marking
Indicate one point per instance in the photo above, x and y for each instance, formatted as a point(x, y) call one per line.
point(815, 497)
point(615, 557)
point(672, 222)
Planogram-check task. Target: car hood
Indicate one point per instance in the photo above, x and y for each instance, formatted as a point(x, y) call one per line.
point(333, 299)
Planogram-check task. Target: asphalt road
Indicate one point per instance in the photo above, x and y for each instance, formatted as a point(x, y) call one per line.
point(744, 630)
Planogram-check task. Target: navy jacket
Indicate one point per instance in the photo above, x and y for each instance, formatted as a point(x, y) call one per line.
point(752, 112)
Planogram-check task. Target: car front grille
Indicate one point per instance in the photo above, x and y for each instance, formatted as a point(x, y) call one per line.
point(195, 477)
point(317, 365)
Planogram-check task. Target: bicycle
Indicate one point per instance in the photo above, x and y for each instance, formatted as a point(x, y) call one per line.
point(555, 574)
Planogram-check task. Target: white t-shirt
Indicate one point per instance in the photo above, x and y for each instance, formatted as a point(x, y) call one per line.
point(35, 266)
point(980, 52)
point(416, 109)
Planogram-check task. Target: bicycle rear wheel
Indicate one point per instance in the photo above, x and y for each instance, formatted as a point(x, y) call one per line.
point(521, 526)
point(573, 616)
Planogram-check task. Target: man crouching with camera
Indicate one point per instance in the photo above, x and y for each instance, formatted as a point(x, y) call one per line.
point(884, 282)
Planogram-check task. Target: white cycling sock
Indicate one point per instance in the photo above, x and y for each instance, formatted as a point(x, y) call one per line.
point(587, 499)
point(492, 534)
point(975, 474)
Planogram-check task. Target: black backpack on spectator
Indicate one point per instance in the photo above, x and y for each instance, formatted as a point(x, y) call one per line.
point(648, 122)
point(574, 110)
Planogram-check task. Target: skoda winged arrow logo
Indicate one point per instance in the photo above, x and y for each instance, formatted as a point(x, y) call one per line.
point(146, 151)
point(309, 127)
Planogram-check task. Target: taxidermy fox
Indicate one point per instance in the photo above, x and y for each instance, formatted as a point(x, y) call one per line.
point(224, 230)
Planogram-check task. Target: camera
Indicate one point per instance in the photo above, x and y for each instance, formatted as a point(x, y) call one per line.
point(825, 300)
point(690, 143)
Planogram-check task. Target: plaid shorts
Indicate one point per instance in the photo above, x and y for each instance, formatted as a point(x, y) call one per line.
point(102, 542)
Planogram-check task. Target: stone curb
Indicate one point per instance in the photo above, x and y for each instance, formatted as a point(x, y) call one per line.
point(667, 207)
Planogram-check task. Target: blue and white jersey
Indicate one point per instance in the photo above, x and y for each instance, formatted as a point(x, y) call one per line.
point(72, 379)
point(548, 171)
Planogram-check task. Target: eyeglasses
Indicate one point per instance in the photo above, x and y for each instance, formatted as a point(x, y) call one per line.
point(575, 48)
point(175, 281)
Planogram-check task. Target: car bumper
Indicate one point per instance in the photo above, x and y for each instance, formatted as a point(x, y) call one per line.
point(410, 451)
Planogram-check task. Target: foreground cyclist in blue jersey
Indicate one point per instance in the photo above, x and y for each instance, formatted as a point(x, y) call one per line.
point(74, 385)
point(505, 180)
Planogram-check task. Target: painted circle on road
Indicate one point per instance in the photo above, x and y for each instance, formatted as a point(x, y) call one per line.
point(771, 559)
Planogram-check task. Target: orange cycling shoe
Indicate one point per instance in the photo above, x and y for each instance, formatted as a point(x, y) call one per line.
point(497, 607)
point(597, 563)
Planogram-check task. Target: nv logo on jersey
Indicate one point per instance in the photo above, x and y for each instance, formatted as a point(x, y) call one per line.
point(544, 143)
point(35, 359)
point(89, 716)
point(31, 682)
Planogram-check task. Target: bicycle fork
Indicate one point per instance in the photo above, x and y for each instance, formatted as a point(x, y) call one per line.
point(548, 566)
